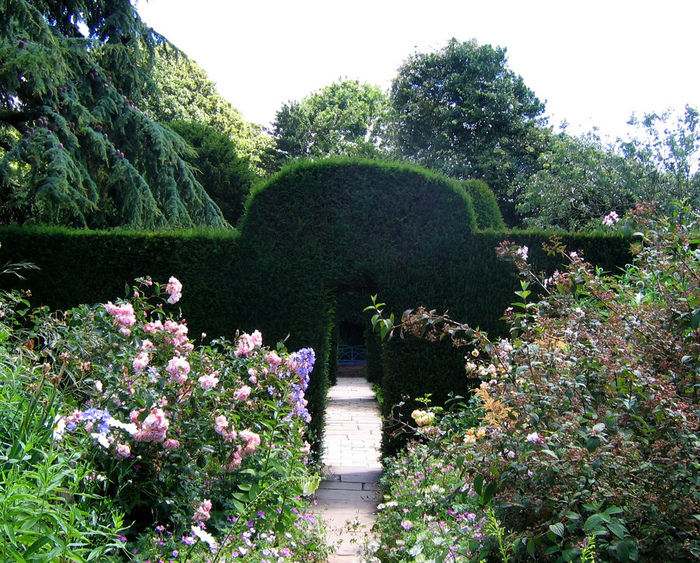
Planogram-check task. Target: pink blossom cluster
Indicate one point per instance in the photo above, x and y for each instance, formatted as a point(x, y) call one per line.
point(202, 512)
point(248, 342)
point(233, 463)
point(178, 368)
point(273, 359)
point(209, 380)
point(174, 290)
point(242, 394)
point(610, 219)
point(122, 451)
point(252, 441)
point(221, 428)
point(176, 334)
point(124, 316)
point(153, 428)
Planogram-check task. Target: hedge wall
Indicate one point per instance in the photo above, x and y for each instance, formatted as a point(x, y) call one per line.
point(316, 241)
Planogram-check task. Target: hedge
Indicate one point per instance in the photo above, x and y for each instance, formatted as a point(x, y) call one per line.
point(315, 242)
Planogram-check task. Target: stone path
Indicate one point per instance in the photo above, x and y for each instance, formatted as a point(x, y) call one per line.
point(348, 496)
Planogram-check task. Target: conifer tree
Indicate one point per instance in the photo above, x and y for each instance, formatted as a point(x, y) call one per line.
point(75, 149)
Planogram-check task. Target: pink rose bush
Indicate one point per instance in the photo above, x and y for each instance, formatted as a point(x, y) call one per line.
point(174, 290)
point(209, 427)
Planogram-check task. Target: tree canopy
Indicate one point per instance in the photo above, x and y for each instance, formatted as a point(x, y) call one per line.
point(185, 93)
point(582, 179)
point(346, 118)
point(75, 147)
point(226, 176)
point(461, 111)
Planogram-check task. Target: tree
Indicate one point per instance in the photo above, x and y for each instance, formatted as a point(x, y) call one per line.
point(185, 93)
point(463, 112)
point(344, 119)
point(75, 147)
point(226, 176)
point(582, 179)
point(672, 148)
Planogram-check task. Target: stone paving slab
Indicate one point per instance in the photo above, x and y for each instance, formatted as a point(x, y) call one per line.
point(347, 498)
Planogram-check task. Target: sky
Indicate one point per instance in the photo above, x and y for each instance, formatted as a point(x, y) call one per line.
point(594, 63)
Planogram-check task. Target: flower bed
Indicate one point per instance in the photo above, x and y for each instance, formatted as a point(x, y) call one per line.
point(582, 439)
point(169, 450)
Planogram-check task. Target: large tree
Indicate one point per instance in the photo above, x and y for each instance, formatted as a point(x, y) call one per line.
point(582, 179)
point(185, 93)
point(461, 111)
point(75, 149)
point(346, 118)
point(225, 174)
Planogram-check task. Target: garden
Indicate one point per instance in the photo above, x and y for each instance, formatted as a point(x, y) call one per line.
point(176, 283)
point(581, 440)
point(124, 440)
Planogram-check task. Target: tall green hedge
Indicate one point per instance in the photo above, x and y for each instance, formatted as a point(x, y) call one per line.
point(488, 215)
point(316, 241)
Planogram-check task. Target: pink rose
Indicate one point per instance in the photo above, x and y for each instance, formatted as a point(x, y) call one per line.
point(153, 327)
point(252, 441)
point(202, 512)
point(209, 381)
point(174, 289)
point(141, 361)
point(171, 444)
point(178, 367)
point(124, 315)
point(242, 394)
point(122, 451)
point(153, 428)
point(273, 359)
point(221, 428)
point(235, 461)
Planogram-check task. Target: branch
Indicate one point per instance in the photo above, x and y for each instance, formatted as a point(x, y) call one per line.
point(14, 118)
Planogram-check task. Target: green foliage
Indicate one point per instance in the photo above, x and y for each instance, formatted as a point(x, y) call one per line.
point(588, 413)
point(185, 93)
point(463, 112)
point(190, 444)
point(674, 150)
point(51, 508)
point(488, 215)
point(320, 238)
point(344, 119)
point(413, 368)
point(76, 149)
point(581, 179)
point(226, 176)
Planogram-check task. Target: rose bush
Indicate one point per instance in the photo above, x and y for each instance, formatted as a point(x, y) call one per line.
point(588, 436)
point(199, 450)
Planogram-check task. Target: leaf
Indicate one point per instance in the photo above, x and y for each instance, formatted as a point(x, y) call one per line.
point(558, 529)
point(592, 443)
point(593, 521)
point(478, 484)
point(37, 545)
point(695, 321)
point(531, 548)
point(618, 529)
point(613, 510)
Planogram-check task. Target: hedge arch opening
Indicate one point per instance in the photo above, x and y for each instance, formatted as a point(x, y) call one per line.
point(321, 237)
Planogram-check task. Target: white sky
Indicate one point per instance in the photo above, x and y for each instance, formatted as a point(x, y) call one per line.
point(593, 62)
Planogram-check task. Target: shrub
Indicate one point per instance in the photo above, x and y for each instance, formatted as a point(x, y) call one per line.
point(488, 214)
point(201, 448)
point(589, 413)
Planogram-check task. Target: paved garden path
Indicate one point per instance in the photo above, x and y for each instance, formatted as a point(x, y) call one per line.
point(348, 496)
